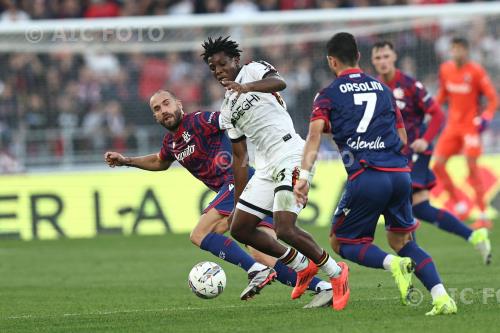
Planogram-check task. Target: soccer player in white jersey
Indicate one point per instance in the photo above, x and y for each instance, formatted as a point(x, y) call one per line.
point(254, 110)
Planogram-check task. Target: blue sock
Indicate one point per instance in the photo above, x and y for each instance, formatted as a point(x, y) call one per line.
point(425, 269)
point(444, 220)
point(227, 249)
point(368, 255)
point(288, 276)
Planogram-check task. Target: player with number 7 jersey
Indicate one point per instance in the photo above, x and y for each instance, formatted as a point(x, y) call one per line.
point(368, 129)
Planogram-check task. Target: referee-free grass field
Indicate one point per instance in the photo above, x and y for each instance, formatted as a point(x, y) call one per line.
point(139, 284)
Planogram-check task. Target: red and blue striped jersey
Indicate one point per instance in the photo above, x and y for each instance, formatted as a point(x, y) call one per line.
point(361, 114)
point(201, 146)
point(415, 102)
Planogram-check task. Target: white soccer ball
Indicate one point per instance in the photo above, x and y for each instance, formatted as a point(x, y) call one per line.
point(207, 280)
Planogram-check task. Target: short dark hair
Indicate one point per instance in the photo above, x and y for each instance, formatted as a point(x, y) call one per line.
point(382, 44)
point(460, 41)
point(343, 46)
point(220, 44)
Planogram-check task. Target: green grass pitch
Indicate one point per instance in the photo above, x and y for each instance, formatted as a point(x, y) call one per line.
point(139, 284)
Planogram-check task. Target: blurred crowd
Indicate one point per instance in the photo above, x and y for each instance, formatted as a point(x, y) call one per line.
point(103, 97)
point(13, 10)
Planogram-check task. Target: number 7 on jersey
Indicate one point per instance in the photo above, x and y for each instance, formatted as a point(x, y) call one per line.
point(371, 101)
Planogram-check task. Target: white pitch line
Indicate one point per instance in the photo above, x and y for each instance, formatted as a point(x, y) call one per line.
point(189, 308)
point(106, 313)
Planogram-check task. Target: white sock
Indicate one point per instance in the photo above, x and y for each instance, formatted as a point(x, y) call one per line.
point(437, 291)
point(387, 262)
point(298, 263)
point(256, 267)
point(323, 285)
point(331, 268)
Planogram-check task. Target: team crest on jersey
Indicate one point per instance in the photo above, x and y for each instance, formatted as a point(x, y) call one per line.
point(398, 93)
point(467, 77)
point(401, 105)
point(186, 136)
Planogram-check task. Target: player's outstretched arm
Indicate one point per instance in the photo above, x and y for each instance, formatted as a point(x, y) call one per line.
point(240, 167)
point(311, 148)
point(271, 83)
point(151, 162)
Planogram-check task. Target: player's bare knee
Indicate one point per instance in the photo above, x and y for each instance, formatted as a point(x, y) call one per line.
point(284, 233)
point(222, 226)
point(398, 240)
point(420, 196)
point(196, 236)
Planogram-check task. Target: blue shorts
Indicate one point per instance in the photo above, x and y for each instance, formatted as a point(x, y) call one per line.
point(422, 177)
point(371, 194)
point(223, 202)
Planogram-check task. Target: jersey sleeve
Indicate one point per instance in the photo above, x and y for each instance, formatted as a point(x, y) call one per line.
point(207, 123)
point(425, 102)
point(488, 90)
point(235, 134)
point(321, 109)
point(399, 118)
point(257, 70)
point(422, 97)
point(165, 153)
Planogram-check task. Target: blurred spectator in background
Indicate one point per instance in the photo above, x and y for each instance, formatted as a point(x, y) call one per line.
point(102, 8)
point(241, 7)
point(12, 13)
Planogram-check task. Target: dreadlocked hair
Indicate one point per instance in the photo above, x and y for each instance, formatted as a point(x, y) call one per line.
point(213, 46)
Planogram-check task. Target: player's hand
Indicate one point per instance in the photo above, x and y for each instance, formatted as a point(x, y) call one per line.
point(114, 159)
point(235, 86)
point(481, 123)
point(419, 145)
point(301, 189)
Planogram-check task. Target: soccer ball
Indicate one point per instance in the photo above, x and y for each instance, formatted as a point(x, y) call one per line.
point(207, 280)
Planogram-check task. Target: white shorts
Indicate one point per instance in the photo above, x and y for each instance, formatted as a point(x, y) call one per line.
point(271, 192)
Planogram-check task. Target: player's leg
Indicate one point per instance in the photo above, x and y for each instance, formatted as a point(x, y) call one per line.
point(399, 224)
point(286, 210)
point(448, 145)
point(355, 222)
point(472, 151)
point(207, 235)
point(256, 202)
point(286, 275)
point(425, 270)
point(423, 179)
point(356, 217)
